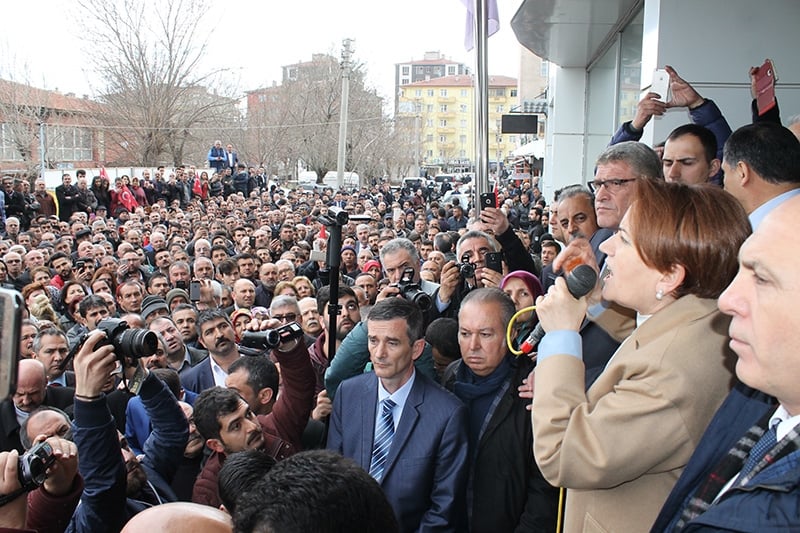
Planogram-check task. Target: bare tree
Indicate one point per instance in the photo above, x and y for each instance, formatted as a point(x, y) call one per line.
point(148, 55)
point(299, 121)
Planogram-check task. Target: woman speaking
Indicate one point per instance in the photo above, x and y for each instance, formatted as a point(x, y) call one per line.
point(619, 446)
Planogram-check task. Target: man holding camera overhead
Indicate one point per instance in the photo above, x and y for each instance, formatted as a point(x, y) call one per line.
point(224, 418)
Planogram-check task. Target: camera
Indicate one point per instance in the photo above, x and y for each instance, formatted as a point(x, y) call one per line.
point(466, 270)
point(270, 338)
point(411, 291)
point(33, 465)
point(127, 341)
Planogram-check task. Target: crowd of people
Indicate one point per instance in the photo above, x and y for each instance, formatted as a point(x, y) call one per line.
point(184, 351)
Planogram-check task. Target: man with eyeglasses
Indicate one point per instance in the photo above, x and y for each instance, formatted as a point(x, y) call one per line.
point(618, 168)
point(285, 309)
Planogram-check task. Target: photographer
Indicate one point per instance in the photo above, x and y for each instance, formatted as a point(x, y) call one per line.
point(228, 424)
point(57, 496)
point(109, 469)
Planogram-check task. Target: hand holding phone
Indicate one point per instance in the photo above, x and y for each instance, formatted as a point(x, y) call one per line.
point(494, 261)
point(488, 199)
point(765, 79)
point(660, 84)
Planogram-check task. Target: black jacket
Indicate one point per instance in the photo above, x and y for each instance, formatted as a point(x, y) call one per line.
point(506, 490)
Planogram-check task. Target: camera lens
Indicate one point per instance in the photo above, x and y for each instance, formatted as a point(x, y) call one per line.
point(136, 343)
point(262, 340)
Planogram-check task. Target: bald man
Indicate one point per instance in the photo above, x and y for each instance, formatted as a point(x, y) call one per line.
point(32, 392)
point(177, 517)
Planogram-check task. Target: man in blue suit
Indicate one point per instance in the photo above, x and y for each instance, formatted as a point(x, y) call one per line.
point(401, 427)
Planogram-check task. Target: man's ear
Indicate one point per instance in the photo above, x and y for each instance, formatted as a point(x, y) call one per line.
point(215, 445)
point(714, 167)
point(417, 348)
point(265, 396)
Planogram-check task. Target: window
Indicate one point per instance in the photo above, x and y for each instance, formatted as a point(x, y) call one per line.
point(66, 143)
point(442, 139)
point(429, 138)
point(464, 93)
point(418, 93)
point(498, 93)
point(443, 93)
point(544, 69)
point(429, 108)
point(419, 69)
point(429, 153)
point(463, 123)
point(462, 154)
point(430, 92)
point(451, 70)
point(462, 139)
point(443, 123)
point(463, 108)
point(513, 93)
point(443, 108)
point(429, 123)
point(500, 108)
point(8, 150)
point(406, 70)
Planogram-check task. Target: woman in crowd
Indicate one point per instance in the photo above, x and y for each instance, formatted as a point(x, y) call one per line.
point(620, 446)
point(523, 288)
point(71, 295)
point(304, 287)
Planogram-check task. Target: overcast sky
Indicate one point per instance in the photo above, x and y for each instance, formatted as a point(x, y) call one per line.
point(255, 38)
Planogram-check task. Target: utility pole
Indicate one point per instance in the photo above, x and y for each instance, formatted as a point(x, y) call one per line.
point(346, 54)
point(42, 149)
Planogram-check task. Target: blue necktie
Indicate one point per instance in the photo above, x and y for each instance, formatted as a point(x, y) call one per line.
point(760, 449)
point(383, 439)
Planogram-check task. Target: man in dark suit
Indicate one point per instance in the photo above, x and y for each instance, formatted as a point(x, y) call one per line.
point(743, 473)
point(179, 356)
point(217, 335)
point(67, 196)
point(32, 392)
point(401, 427)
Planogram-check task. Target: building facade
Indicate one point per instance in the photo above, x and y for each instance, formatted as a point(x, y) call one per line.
point(441, 113)
point(602, 61)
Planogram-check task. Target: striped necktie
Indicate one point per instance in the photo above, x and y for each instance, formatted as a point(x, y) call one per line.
point(383, 439)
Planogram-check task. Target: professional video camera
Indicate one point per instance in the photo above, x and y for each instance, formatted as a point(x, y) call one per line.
point(411, 291)
point(270, 338)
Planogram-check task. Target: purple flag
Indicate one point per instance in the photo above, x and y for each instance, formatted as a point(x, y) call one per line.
point(493, 25)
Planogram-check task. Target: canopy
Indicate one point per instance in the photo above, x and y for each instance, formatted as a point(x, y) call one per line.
point(534, 148)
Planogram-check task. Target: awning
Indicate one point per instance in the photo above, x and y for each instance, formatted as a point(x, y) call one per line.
point(534, 148)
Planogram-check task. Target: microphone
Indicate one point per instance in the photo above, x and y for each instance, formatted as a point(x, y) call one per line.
point(580, 282)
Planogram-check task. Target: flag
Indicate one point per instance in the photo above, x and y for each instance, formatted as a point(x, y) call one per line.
point(127, 199)
point(493, 23)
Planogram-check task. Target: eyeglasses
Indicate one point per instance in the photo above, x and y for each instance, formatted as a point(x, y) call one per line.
point(612, 185)
point(288, 317)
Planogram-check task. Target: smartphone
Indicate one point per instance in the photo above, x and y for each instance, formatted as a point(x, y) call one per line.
point(180, 284)
point(765, 87)
point(194, 291)
point(488, 199)
point(253, 243)
point(494, 261)
point(11, 317)
point(660, 84)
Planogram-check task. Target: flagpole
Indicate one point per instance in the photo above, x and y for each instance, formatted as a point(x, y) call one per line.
point(480, 30)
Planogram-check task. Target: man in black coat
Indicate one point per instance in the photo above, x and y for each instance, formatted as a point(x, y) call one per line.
point(67, 196)
point(32, 392)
